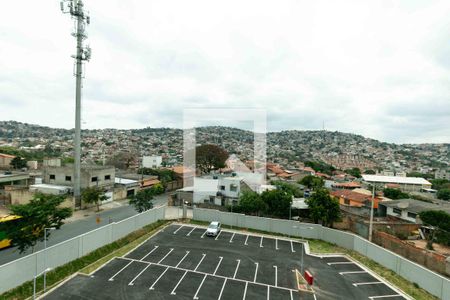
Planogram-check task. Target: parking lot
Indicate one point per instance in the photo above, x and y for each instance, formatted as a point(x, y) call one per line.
point(180, 262)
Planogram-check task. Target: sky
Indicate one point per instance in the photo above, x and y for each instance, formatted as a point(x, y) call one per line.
point(376, 68)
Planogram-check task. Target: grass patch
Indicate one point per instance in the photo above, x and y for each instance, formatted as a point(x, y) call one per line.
point(86, 263)
point(322, 247)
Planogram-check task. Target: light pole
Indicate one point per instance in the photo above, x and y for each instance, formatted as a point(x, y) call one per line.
point(45, 255)
point(371, 212)
point(34, 280)
point(303, 246)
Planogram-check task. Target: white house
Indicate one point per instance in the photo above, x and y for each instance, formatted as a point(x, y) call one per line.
point(151, 161)
point(409, 209)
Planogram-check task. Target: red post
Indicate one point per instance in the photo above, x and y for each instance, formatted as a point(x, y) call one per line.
point(309, 278)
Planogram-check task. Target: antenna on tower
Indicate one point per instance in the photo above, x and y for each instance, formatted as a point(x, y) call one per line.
point(83, 53)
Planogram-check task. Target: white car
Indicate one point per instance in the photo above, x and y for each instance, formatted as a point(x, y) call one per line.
point(213, 229)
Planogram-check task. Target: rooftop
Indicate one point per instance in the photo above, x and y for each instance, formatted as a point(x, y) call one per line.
point(417, 206)
point(395, 179)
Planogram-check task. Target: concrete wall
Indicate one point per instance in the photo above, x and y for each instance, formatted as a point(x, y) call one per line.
point(24, 269)
point(87, 174)
point(430, 281)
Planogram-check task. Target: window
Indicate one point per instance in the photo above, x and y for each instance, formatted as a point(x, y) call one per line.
point(211, 199)
point(233, 188)
point(346, 201)
point(52, 176)
point(68, 178)
point(107, 177)
point(412, 215)
point(94, 179)
point(397, 211)
point(222, 188)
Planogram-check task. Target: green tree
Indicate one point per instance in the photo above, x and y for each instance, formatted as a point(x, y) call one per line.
point(43, 211)
point(369, 172)
point(210, 157)
point(319, 166)
point(277, 203)
point(356, 172)
point(164, 175)
point(313, 182)
point(443, 194)
point(440, 221)
point(323, 208)
point(287, 187)
point(93, 195)
point(18, 163)
point(142, 201)
point(439, 184)
point(395, 194)
point(251, 203)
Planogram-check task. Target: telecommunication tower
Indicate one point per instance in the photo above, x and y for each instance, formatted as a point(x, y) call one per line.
point(83, 53)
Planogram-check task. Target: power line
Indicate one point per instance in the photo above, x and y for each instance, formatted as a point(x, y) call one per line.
point(83, 53)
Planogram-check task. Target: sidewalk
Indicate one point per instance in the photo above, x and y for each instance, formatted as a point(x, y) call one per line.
point(92, 211)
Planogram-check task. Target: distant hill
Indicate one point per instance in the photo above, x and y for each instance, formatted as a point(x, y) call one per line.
point(343, 150)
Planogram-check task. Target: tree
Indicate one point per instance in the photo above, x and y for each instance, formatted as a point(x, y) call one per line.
point(439, 184)
point(93, 195)
point(356, 172)
point(41, 212)
point(289, 188)
point(369, 172)
point(320, 167)
point(142, 201)
point(210, 157)
point(395, 194)
point(313, 182)
point(440, 221)
point(164, 175)
point(443, 194)
point(123, 160)
point(324, 208)
point(251, 203)
point(18, 163)
point(277, 203)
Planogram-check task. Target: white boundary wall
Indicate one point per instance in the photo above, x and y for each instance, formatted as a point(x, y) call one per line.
point(16, 272)
point(430, 281)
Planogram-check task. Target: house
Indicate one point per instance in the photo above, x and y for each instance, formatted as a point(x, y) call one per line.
point(151, 161)
point(406, 184)
point(409, 209)
point(346, 185)
point(355, 199)
point(129, 186)
point(100, 176)
point(5, 161)
point(442, 174)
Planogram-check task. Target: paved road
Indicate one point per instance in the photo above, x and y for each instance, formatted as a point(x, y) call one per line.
point(75, 228)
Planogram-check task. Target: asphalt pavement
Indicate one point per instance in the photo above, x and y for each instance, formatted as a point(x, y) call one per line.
point(80, 226)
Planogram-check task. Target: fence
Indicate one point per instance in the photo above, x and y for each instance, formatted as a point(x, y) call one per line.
point(426, 279)
point(15, 273)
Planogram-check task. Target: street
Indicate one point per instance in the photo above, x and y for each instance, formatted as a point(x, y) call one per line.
point(78, 227)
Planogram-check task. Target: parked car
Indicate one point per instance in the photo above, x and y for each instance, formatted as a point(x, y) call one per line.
point(213, 229)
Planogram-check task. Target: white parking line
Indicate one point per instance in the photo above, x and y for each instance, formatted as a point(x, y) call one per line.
point(221, 291)
point(112, 278)
point(367, 283)
point(260, 243)
point(340, 263)
point(237, 267)
point(256, 271)
point(181, 279)
point(352, 272)
point(246, 239)
point(385, 296)
point(189, 233)
point(199, 287)
point(203, 235)
point(276, 244)
point(187, 253)
point(245, 290)
point(268, 292)
point(292, 296)
point(231, 240)
point(200, 262)
point(132, 281)
point(218, 235)
point(175, 232)
point(156, 247)
point(292, 247)
point(162, 274)
point(171, 249)
point(276, 275)
point(220, 260)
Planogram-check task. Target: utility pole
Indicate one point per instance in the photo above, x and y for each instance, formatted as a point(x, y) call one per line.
point(371, 212)
point(82, 19)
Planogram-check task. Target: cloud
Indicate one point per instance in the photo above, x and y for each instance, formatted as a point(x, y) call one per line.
point(380, 69)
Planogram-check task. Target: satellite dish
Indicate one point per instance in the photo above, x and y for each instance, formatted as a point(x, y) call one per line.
point(403, 205)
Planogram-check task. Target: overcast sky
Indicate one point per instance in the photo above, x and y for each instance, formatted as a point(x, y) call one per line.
point(376, 68)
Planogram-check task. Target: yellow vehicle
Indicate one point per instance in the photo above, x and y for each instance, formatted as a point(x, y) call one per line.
point(4, 241)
